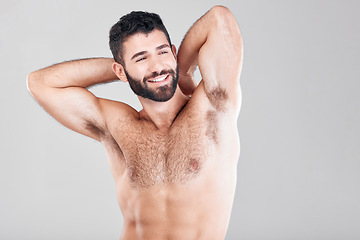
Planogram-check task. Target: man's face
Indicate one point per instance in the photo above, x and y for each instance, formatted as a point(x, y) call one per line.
point(151, 67)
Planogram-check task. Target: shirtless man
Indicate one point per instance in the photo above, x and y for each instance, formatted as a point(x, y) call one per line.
point(174, 162)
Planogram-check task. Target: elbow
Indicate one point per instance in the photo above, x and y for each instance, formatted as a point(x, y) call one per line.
point(225, 22)
point(222, 13)
point(32, 83)
point(224, 19)
point(220, 9)
point(30, 79)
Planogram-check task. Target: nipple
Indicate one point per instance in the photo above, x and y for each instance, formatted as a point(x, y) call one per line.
point(132, 174)
point(194, 164)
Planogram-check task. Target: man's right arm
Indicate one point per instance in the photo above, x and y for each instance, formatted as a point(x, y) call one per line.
point(61, 90)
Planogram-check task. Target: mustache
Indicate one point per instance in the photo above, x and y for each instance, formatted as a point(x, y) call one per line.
point(155, 74)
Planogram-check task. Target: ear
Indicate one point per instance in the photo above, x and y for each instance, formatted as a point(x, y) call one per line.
point(173, 48)
point(119, 71)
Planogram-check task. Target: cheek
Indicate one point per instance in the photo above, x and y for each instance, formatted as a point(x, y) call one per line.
point(172, 63)
point(138, 71)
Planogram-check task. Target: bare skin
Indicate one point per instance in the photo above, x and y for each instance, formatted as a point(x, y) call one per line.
point(174, 163)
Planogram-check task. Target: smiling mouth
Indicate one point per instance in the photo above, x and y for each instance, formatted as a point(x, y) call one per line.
point(159, 79)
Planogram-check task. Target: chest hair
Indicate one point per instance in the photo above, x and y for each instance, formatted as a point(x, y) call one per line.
point(177, 155)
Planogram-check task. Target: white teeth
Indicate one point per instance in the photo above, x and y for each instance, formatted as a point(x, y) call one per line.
point(159, 79)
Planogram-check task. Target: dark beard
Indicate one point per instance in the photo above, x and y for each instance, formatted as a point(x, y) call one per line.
point(162, 93)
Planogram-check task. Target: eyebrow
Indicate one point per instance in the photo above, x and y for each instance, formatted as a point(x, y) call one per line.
point(163, 46)
point(144, 52)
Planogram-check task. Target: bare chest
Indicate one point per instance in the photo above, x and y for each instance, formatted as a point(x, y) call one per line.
point(154, 157)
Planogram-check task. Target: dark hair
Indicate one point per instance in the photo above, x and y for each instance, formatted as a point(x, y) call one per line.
point(128, 25)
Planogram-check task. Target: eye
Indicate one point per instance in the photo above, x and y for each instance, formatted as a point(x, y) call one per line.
point(163, 52)
point(140, 59)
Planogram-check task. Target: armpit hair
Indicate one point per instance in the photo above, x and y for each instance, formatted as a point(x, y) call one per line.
point(217, 97)
point(94, 128)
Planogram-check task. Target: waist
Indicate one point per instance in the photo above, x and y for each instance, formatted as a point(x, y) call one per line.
point(174, 230)
point(177, 212)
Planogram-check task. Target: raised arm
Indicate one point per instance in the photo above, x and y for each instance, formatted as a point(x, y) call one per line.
point(61, 90)
point(214, 44)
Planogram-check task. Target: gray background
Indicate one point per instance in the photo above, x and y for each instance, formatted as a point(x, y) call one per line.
point(298, 174)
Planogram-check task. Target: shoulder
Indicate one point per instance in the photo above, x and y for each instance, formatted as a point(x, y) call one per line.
point(114, 110)
point(114, 114)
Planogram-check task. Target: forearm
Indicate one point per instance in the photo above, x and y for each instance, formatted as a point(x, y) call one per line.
point(193, 41)
point(78, 73)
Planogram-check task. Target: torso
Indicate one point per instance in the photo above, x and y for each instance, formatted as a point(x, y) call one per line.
point(176, 183)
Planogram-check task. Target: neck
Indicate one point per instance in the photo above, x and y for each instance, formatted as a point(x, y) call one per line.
point(163, 114)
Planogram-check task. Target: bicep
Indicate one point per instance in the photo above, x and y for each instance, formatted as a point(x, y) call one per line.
point(220, 59)
point(74, 107)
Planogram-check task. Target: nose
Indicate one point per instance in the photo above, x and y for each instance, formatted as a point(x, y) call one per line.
point(156, 66)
